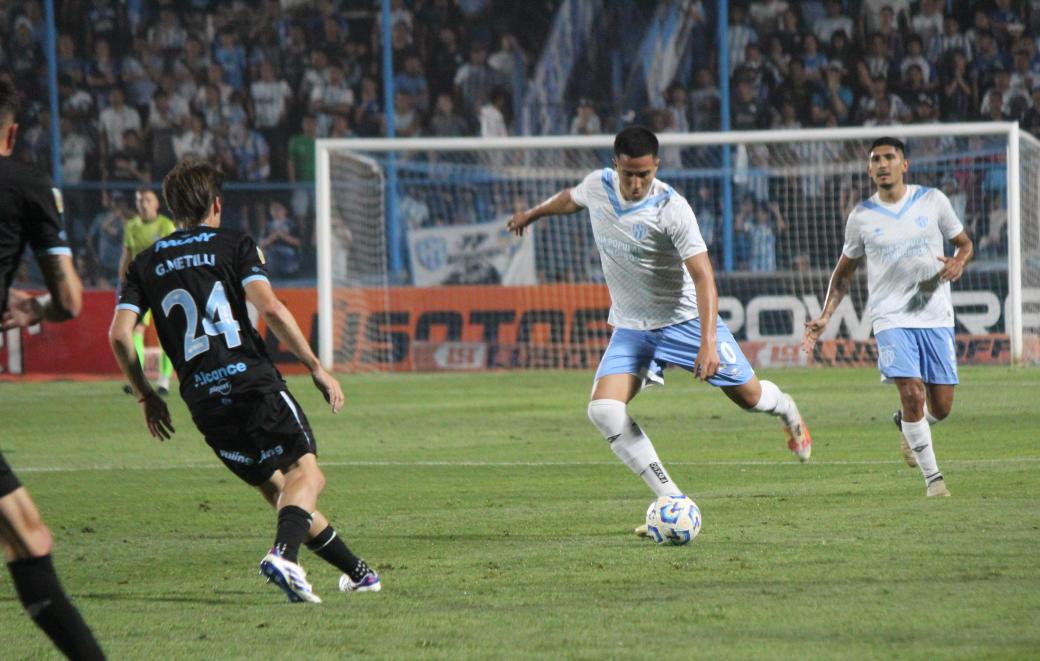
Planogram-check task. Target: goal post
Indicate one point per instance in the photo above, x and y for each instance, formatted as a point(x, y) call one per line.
point(773, 247)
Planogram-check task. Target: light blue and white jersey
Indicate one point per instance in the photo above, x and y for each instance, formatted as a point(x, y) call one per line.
point(642, 247)
point(902, 242)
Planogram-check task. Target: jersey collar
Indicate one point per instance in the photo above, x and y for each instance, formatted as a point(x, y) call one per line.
point(609, 184)
point(910, 199)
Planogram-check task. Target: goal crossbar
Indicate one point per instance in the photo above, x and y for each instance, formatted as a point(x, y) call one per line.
point(358, 146)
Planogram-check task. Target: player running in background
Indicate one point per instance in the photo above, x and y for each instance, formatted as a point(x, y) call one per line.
point(140, 233)
point(900, 231)
point(197, 282)
point(30, 214)
point(664, 305)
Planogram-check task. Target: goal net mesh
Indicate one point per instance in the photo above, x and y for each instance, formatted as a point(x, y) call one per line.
point(425, 277)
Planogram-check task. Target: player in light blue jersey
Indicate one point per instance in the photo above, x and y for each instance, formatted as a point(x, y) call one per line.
point(664, 306)
point(900, 232)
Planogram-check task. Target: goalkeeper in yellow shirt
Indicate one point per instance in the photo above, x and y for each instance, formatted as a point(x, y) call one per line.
point(141, 231)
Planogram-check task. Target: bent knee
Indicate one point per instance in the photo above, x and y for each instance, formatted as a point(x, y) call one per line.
point(940, 412)
point(608, 415)
point(33, 541)
point(41, 541)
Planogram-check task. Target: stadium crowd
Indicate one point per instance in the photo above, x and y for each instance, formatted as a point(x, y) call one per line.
point(251, 84)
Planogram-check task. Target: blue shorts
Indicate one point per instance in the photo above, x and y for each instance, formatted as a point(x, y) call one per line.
point(646, 353)
point(929, 354)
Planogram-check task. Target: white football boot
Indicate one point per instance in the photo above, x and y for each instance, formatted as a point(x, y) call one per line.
point(369, 583)
point(289, 577)
point(937, 487)
point(799, 442)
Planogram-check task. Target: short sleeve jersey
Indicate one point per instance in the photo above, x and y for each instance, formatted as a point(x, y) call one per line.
point(642, 247)
point(30, 215)
point(139, 235)
point(194, 283)
point(902, 243)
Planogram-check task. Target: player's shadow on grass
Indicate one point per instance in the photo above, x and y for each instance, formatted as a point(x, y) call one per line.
point(215, 598)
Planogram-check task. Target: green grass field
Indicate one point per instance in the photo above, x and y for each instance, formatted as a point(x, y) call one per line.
point(501, 525)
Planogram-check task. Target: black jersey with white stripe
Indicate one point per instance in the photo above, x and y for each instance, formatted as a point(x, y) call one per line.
point(194, 283)
point(30, 215)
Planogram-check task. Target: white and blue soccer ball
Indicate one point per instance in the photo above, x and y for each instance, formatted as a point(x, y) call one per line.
point(673, 520)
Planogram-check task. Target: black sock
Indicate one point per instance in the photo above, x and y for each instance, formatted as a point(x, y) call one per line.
point(45, 602)
point(293, 524)
point(329, 547)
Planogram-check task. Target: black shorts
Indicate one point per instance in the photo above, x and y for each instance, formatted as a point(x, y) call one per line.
point(8, 480)
point(256, 435)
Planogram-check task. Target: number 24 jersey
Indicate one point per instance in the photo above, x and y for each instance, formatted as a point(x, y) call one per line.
point(194, 283)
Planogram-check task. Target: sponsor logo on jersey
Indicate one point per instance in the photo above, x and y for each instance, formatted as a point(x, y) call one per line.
point(917, 247)
point(620, 249)
point(222, 388)
point(219, 374)
point(202, 237)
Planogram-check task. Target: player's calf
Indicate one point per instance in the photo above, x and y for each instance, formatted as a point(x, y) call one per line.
point(779, 404)
point(631, 445)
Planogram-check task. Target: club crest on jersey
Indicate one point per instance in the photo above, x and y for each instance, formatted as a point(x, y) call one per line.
point(922, 221)
point(639, 231)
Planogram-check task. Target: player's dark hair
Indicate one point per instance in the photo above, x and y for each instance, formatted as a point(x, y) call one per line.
point(8, 102)
point(635, 141)
point(888, 141)
point(189, 190)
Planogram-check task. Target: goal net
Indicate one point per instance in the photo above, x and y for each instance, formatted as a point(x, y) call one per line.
point(417, 271)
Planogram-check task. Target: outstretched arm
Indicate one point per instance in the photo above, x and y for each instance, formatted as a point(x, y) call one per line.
point(121, 338)
point(841, 282)
point(63, 302)
point(559, 204)
point(283, 324)
point(707, 362)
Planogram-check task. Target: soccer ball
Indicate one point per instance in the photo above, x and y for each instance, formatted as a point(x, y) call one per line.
point(673, 520)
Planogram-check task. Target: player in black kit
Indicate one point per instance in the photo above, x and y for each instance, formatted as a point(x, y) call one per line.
point(30, 214)
point(197, 281)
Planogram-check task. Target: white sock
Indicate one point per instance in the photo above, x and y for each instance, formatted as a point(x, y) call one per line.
point(776, 403)
point(164, 381)
point(631, 445)
point(919, 438)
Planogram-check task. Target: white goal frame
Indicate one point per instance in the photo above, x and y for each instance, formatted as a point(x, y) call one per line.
point(1010, 130)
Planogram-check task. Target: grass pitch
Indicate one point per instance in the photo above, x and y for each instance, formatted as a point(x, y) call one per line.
point(501, 525)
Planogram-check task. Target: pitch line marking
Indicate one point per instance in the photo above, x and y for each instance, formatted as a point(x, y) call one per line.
point(528, 464)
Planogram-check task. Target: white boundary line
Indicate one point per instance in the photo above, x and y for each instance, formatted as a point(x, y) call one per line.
point(520, 464)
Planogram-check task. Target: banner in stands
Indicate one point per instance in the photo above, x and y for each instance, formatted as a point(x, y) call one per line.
point(544, 326)
point(481, 254)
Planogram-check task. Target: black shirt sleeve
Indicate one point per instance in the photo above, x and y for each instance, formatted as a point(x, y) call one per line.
point(44, 227)
point(251, 263)
point(132, 296)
